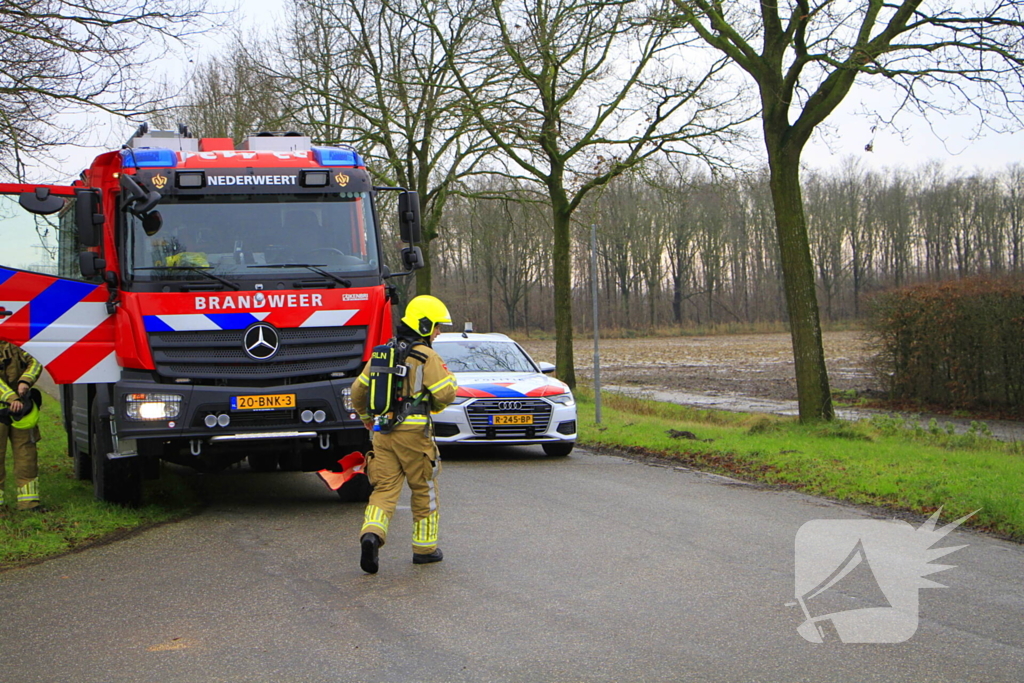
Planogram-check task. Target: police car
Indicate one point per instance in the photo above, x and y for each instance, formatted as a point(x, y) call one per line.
point(504, 397)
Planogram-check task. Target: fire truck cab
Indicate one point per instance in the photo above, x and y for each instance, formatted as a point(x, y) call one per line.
point(204, 304)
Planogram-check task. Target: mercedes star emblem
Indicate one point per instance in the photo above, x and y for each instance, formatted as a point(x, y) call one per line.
point(261, 341)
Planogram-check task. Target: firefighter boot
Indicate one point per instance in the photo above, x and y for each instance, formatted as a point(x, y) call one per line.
point(369, 545)
point(427, 558)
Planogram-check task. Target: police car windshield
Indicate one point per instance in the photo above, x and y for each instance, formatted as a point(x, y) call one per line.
point(484, 356)
point(227, 234)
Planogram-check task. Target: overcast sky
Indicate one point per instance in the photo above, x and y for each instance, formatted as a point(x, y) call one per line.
point(846, 134)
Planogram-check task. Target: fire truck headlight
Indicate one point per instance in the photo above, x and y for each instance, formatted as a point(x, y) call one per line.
point(346, 399)
point(152, 406)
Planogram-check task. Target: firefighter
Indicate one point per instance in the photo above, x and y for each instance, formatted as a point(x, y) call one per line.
point(18, 415)
point(406, 451)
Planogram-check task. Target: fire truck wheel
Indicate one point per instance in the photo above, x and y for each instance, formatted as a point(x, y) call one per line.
point(558, 450)
point(355, 490)
point(114, 481)
point(82, 460)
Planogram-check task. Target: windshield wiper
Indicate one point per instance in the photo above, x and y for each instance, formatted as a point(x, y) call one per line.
point(316, 268)
point(195, 269)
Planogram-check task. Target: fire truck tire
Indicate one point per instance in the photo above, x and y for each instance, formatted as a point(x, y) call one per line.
point(356, 490)
point(82, 460)
point(114, 481)
point(558, 450)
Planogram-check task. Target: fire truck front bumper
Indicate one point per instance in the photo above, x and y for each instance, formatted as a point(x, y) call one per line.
point(227, 414)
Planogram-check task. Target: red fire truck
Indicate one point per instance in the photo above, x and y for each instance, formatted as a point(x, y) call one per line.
point(204, 304)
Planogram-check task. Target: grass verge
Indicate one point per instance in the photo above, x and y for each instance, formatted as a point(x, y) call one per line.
point(886, 461)
point(73, 518)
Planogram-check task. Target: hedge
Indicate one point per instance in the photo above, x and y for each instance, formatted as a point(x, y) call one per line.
point(958, 344)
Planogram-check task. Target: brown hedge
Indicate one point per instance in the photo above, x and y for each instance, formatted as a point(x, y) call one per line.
point(958, 344)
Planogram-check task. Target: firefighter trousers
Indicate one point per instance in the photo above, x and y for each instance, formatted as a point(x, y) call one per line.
point(404, 455)
point(26, 464)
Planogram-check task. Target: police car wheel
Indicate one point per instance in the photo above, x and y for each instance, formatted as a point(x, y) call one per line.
point(558, 450)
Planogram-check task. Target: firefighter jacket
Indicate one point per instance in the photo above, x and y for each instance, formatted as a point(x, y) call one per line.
point(16, 366)
point(438, 387)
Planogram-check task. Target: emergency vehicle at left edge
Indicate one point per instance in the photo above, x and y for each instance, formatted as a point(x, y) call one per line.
point(204, 304)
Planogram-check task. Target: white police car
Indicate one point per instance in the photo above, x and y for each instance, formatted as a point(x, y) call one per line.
point(504, 397)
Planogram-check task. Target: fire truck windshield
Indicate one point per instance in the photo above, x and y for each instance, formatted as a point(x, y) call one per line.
point(225, 235)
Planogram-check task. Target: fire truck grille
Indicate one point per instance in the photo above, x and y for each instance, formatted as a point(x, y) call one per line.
point(480, 412)
point(215, 354)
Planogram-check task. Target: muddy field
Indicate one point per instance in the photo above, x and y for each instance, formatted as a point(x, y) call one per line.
point(759, 365)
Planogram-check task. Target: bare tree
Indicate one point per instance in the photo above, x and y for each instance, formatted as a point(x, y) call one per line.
point(804, 57)
point(234, 95)
point(575, 93)
point(371, 75)
point(66, 56)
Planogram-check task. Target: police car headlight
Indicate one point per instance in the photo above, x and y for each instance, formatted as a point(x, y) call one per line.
point(152, 406)
point(565, 399)
point(460, 399)
point(346, 399)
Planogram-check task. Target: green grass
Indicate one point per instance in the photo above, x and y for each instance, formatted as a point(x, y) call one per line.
point(74, 518)
point(886, 462)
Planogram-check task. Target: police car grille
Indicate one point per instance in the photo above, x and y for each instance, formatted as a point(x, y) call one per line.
point(213, 354)
point(480, 412)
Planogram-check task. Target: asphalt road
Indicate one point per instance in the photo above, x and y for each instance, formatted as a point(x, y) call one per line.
point(587, 568)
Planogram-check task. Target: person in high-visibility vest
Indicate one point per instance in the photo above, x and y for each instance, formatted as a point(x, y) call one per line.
point(403, 440)
point(18, 417)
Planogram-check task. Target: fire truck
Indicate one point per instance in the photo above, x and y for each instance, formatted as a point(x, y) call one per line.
point(205, 304)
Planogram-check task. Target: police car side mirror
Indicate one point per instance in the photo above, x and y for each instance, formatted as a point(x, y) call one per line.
point(546, 368)
point(409, 216)
point(88, 217)
point(412, 258)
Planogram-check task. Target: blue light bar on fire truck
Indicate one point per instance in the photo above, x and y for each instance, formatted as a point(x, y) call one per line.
point(149, 157)
point(336, 156)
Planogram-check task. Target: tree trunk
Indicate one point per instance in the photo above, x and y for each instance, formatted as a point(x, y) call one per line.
point(561, 260)
point(423, 275)
point(814, 395)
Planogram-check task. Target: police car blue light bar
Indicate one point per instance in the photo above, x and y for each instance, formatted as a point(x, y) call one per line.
point(334, 156)
point(149, 157)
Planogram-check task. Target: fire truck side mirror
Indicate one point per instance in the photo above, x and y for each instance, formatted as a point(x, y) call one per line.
point(90, 263)
point(136, 198)
point(41, 202)
point(409, 216)
point(88, 218)
point(412, 258)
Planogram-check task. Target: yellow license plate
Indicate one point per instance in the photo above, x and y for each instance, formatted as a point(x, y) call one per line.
point(512, 419)
point(265, 402)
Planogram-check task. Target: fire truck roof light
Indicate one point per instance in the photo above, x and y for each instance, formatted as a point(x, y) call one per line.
point(336, 156)
point(149, 157)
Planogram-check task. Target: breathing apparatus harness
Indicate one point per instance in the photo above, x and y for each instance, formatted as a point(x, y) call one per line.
point(389, 375)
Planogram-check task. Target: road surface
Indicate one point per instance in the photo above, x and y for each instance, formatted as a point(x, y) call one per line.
point(587, 568)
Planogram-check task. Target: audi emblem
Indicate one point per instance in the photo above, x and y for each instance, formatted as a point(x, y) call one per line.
point(261, 341)
point(510, 405)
